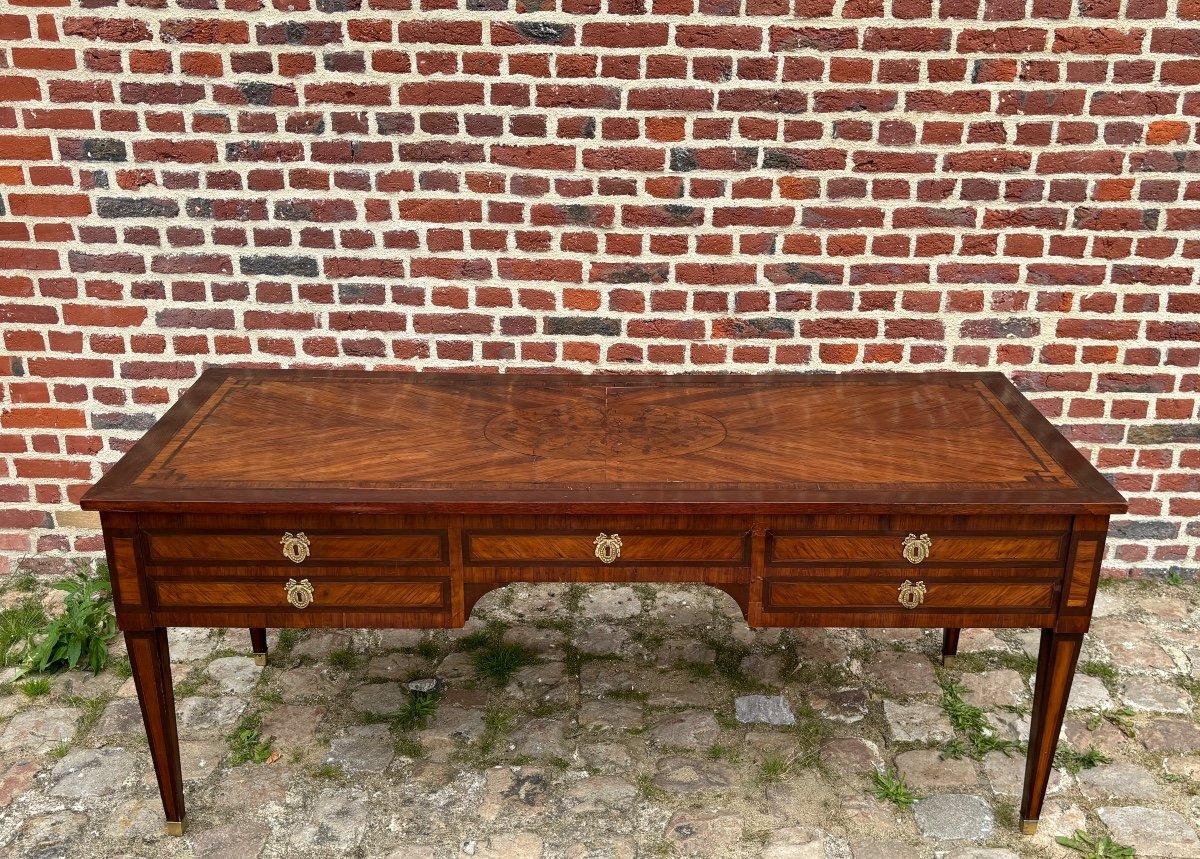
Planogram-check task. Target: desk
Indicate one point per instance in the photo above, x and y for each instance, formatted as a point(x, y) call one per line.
point(349, 499)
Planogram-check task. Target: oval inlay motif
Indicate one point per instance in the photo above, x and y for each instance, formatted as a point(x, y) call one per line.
point(600, 432)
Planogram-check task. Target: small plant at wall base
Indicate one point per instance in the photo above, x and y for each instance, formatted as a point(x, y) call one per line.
point(81, 632)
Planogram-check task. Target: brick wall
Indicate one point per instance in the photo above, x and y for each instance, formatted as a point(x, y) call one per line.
point(600, 185)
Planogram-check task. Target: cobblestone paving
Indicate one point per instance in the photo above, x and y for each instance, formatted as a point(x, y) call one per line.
point(655, 724)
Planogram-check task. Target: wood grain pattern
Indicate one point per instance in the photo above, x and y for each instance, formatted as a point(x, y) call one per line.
point(876, 596)
point(327, 595)
point(880, 549)
point(324, 547)
point(252, 441)
point(638, 548)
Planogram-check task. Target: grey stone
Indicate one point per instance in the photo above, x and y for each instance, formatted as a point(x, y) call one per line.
point(917, 723)
point(292, 727)
point(188, 644)
point(688, 775)
point(703, 833)
point(686, 607)
point(509, 845)
point(599, 791)
point(691, 730)
point(609, 714)
point(1146, 695)
point(675, 689)
point(137, 818)
point(544, 683)
point(1014, 726)
point(40, 730)
point(201, 715)
point(1187, 766)
point(451, 727)
point(851, 755)
point(847, 705)
point(600, 678)
point(199, 759)
point(365, 749)
point(319, 645)
point(872, 849)
point(611, 602)
point(954, 817)
point(456, 666)
point(424, 685)
point(310, 681)
point(1170, 736)
point(1131, 645)
point(606, 756)
point(242, 840)
point(902, 673)
point(235, 674)
point(819, 647)
point(50, 836)
point(338, 822)
point(1152, 832)
point(121, 717)
point(795, 843)
point(380, 698)
point(925, 770)
point(520, 789)
point(543, 738)
point(764, 709)
point(396, 666)
point(1088, 693)
point(765, 668)
point(92, 772)
point(411, 851)
point(980, 641)
point(687, 651)
point(1118, 780)
point(400, 638)
point(991, 689)
point(981, 853)
point(247, 788)
point(600, 639)
point(1006, 775)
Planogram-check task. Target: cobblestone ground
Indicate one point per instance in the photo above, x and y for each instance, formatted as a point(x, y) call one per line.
point(626, 739)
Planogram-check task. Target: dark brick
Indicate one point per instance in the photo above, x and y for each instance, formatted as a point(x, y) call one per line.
point(1145, 529)
point(542, 31)
point(136, 207)
point(1000, 329)
point(280, 265)
point(772, 327)
point(257, 92)
point(583, 326)
point(683, 160)
point(105, 149)
point(198, 208)
point(1164, 434)
point(117, 420)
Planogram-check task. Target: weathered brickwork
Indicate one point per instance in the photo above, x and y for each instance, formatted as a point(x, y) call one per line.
point(601, 185)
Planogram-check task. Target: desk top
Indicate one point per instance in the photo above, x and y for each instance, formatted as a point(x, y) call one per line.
point(265, 440)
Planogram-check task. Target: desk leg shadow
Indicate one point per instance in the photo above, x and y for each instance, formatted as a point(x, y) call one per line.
point(150, 660)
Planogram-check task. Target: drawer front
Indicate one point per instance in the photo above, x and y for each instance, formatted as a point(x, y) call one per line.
point(579, 548)
point(390, 595)
point(875, 549)
point(875, 596)
point(314, 547)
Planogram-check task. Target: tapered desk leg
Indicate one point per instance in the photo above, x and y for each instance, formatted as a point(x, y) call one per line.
point(949, 645)
point(258, 644)
point(151, 663)
point(1055, 670)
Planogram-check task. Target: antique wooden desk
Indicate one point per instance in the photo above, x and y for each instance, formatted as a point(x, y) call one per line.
point(348, 499)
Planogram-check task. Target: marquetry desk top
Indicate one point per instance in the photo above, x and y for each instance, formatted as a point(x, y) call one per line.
point(262, 440)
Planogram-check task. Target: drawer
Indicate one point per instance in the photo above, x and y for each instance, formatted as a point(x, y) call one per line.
point(390, 594)
point(887, 549)
point(580, 548)
point(313, 547)
point(937, 595)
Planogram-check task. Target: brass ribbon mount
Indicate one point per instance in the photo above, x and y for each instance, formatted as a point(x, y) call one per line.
point(299, 593)
point(608, 548)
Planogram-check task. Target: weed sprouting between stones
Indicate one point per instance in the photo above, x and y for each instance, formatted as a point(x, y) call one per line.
point(1073, 761)
point(246, 742)
point(494, 658)
point(890, 787)
point(977, 737)
point(1120, 718)
point(1095, 847)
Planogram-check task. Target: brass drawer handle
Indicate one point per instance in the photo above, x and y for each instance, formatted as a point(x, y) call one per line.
point(299, 593)
point(912, 595)
point(916, 549)
point(608, 549)
point(295, 547)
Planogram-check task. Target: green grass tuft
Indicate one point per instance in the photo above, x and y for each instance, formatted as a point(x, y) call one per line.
point(344, 657)
point(1073, 761)
point(246, 742)
point(35, 688)
point(976, 737)
point(1090, 847)
point(890, 787)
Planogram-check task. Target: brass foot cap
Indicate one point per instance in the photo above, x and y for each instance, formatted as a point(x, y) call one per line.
point(1029, 827)
point(948, 661)
point(260, 659)
point(175, 827)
